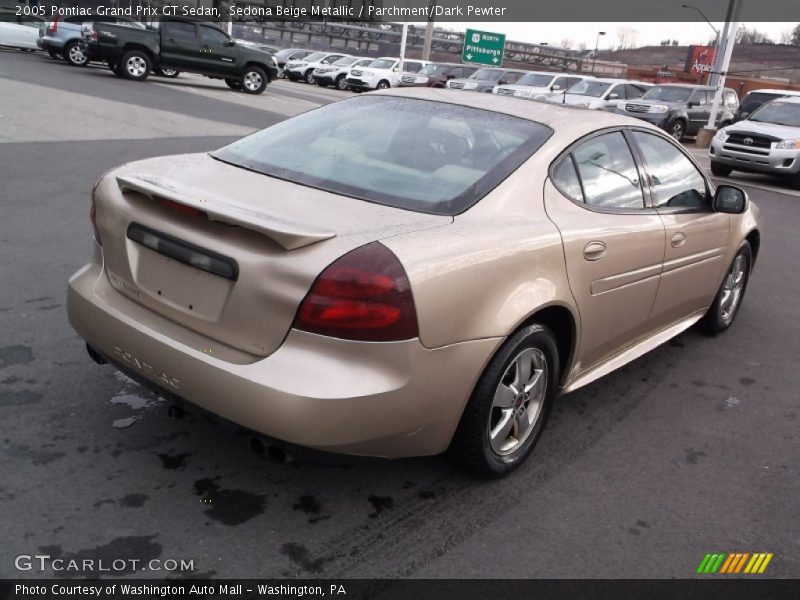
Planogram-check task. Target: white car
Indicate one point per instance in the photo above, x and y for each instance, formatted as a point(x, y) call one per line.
point(304, 68)
point(19, 31)
point(539, 84)
point(336, 74)
point(600, 93)
point(382, 73)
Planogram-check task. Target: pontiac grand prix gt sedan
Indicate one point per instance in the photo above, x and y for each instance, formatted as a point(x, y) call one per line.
point(411, 271)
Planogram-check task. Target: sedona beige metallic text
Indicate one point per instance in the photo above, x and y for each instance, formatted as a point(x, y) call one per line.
point(408, 272)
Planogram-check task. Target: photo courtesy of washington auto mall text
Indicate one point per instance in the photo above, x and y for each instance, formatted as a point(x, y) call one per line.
point(399, 299)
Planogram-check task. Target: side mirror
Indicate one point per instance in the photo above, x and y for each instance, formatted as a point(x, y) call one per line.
point(231, 43)
point(743, 116)
point(396, 69)
point(449, 77)
point(613, 96)
point(692, 103)
point(503, 82)
point(730, 199)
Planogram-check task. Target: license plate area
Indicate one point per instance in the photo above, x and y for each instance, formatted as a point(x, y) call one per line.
point(181, 275)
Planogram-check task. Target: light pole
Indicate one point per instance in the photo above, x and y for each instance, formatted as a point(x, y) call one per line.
point(596, 46)
point(712, 80)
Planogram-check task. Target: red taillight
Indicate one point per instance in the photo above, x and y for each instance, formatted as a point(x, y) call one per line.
point(178, 207)
point(365, 295)
point(53, 28)
point(93, 212)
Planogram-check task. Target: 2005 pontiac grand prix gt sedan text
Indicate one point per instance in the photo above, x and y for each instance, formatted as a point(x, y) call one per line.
point(409, 272)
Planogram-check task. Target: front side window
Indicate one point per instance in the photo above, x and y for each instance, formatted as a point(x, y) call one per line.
point(588, 87)
point(383, 63)
point(674, 181)
point(487, 75)
point(403, 152)
point(536, 80)
point(211, 34)
point(608, 172)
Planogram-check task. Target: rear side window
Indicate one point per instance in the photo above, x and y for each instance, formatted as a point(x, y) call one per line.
point(565, 178)
point(403, 152)
point(179, 30)
point(608, 173)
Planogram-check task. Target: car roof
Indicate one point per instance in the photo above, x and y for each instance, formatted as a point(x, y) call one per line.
point(789, 100)
point(775, 91)
point(557, 116)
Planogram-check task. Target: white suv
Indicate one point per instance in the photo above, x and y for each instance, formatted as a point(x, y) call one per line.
point(336, 74)
point(304, 68)
point(539, 84)
point(382, 73)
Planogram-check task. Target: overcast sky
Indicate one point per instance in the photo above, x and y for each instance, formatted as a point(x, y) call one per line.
point(645, 33)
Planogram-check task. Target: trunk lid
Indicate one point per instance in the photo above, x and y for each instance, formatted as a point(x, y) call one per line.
point(226, 252)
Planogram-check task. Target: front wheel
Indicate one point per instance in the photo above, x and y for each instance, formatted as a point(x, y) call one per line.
point(309, 76)
point(508, 409)
point(234, 84)
point(677, 129)
point(726, 304)
point(341, 83)
point(74, 54)
point(254, 80)
point(135, 65)
point(383, 85)
point(720, 170)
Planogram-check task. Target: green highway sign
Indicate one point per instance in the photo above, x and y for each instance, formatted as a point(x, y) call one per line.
point(483, 48)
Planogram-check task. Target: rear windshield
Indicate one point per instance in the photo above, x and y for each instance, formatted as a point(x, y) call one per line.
point(407, 153)
point(667, 93)
point(778, 112)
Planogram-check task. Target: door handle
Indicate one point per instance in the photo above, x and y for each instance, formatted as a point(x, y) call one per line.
point(678, 240)
point(594, 251)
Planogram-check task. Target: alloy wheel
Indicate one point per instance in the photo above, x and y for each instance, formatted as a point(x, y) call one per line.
point(136, 66)
point(518, 401)
point(732, 289)
point(252, 81)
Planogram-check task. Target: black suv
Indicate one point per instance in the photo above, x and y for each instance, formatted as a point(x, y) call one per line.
point(680, 109)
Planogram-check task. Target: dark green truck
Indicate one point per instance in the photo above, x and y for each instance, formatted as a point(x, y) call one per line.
point(180, 45)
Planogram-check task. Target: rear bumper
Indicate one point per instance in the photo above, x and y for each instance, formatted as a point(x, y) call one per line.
point(776, 162)
point(382, 399)
point(49, 42)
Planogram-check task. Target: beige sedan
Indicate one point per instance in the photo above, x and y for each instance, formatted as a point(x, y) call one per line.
point(408, 272)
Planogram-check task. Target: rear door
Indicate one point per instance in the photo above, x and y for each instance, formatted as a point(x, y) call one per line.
point(613, 243)
point(698, 109)
point(696, 236)
point(180, 45)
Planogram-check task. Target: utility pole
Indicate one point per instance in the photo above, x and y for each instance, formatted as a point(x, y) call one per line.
point(403, 46)
point(726, 43)
point(428, 41)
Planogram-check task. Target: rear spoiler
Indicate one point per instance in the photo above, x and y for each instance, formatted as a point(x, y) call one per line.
point(288, 234)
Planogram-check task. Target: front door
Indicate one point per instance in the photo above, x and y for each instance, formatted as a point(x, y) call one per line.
point(613, 244)
point(218, 54)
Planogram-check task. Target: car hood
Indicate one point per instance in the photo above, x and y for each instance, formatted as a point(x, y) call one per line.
point(784, 132)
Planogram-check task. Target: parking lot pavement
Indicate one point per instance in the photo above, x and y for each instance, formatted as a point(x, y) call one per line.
point(690, 449)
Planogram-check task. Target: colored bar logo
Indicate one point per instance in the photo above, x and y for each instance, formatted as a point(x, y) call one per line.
point(734, 562)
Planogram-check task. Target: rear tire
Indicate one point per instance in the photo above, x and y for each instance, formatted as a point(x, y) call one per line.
point(507, 411)
point(234, 84)
point(167, 72)
point(720, 170)
point(135, 65)
point(74, 54)
point(54, 55)
point(723, 310)
point(254, 80)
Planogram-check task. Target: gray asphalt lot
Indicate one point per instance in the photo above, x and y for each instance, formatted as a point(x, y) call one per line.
point(691, 449)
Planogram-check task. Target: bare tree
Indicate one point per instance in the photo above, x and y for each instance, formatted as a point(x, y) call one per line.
point(795, 38)
point(751, 35)
point(627, 37)
point(566, 43)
